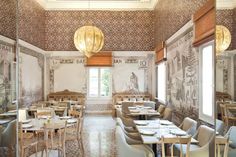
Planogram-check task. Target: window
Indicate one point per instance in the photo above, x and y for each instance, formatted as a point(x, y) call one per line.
point(161, 82)
point(99, 82)
point(206, 108)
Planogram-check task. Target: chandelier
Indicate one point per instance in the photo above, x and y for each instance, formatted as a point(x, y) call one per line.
point(88, 40)
point(223, 39)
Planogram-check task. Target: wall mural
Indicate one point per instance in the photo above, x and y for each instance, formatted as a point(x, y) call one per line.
point(64, 66)
point(7, 81)
point(182, 75)
point(31, 78)
point(130, 73)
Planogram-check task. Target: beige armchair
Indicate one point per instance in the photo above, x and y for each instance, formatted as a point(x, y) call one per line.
point(167, 115)
point(189, 125)
point(204, 136)
point(126, 150)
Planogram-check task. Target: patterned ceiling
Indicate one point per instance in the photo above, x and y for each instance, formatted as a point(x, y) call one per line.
point(97, 4)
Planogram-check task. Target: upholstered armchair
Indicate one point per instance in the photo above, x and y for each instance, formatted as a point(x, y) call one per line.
point(219, 127)
point(8, 138)
point(189, 125)
point(204, 136)
point(167, 115)
point(232, 138)
point(126, 150)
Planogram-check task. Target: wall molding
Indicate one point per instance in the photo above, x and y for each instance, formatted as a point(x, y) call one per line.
point(113, 5)
point(180, 32)
point(225, 4)
point(7, 40)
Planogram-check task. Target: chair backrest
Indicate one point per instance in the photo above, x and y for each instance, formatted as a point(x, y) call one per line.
point(189, 125)
point(44, 112)
point(161, 109)
point(232, 136)
point(126, 150)
point(219, 126)
point(74, 113)
point(151, 104)
point(219, 143)
point(204, 135)
point(125, 107)
point(62, 104)
point(128, 122)
point(50, 129)
point(167, 115)
point(222, 110)
point(8, 136)
point(176, 140)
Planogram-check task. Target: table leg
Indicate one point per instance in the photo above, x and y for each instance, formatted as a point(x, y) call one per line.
point(154, 148)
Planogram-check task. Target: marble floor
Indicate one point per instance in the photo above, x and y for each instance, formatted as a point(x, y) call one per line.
point(98, 138)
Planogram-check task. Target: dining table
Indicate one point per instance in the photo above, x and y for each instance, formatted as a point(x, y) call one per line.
point(142, 112)
point(10, 113)
point(36, 124)
point(152, 131)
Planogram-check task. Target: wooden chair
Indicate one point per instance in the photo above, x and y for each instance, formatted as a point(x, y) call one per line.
point(57, 141)
point(176, 140)
point(44, 112)
point(219, 142)
point(223, 112)
point(27, 141)
point(75, 133)
point(74, 113)
point(227, 116)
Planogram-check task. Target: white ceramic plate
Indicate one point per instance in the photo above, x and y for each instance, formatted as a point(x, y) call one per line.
point(27, 126)
point(148, 132)
point(178, 132)
point(165, 122)
point(132, 107)
point(141, 123)
point(71, 121)
point(26, 121)
point(65, 117)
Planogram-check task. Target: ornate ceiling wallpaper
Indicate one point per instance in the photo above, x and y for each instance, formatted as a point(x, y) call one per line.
point(171, 15)
point(32, 23)
point(8, 18)
point(123, 30)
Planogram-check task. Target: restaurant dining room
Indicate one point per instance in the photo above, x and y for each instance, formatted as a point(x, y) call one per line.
point(131, 78)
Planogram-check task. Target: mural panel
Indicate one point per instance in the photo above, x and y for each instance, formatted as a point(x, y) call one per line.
point(7, 76)
point(182, 75)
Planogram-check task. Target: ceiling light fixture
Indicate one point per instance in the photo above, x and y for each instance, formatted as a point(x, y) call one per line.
point(88, 39)
point(223, 39)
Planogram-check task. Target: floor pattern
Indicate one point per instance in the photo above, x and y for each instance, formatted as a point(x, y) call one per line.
point(98, 138)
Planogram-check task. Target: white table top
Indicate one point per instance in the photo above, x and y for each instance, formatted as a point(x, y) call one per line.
point(143, 111)
point(55, 123)
point(9, 113)
point(161, 130)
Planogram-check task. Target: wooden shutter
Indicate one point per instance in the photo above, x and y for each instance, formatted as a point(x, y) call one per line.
point(204, 22)
point(100, 59)
point(160, 52)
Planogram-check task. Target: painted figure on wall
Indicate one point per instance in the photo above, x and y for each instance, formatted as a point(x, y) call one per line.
point(133, 83)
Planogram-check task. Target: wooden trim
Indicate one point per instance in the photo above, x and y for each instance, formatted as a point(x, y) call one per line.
point(100, 59)
point(160, 52)
point(204, 22)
